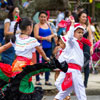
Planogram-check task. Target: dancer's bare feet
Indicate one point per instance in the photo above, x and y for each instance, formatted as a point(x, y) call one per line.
point(67, 98)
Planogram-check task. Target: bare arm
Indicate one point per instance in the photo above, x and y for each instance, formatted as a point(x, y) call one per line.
point(5, 47)
point(55, 50)
point(71, 30)
point(90, 38)
point(40, 51)
point(6, 29)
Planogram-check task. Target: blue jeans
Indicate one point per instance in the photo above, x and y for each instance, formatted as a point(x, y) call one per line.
point(48, 54)
point(8, 56)
point(1, 35)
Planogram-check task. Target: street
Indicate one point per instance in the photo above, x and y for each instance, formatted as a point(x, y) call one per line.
point(95, 97)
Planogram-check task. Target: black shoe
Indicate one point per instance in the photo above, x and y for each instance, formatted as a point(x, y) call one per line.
point(48, 84)
point(38, 83)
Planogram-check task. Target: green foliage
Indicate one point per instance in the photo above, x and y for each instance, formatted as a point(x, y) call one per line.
point(97, 5)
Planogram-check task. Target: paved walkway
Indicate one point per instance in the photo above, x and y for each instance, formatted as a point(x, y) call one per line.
point(94, 97)
point(92, 89)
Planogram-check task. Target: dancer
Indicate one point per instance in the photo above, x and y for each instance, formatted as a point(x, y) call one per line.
point(73, 54)
point(57, 52)
point(17, 78)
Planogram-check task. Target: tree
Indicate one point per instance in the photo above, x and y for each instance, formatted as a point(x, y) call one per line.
point(37, 5)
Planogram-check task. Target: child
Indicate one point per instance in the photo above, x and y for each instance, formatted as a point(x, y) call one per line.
point(73, 55)
point(56, 52)
point(24, 45)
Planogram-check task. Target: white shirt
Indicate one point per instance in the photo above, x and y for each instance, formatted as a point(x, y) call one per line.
point(12, 24)
point(72, 52)
point(25, 47)
point(92, 28)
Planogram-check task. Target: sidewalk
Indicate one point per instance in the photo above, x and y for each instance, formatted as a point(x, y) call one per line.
point(92, 89)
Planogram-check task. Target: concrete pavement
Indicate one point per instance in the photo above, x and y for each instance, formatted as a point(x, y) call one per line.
point(95, 97)
point(92, 89)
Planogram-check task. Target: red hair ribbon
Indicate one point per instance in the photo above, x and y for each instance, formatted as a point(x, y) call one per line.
point(18, 19)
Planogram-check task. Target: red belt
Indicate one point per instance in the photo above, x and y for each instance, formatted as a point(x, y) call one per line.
point(74, 66)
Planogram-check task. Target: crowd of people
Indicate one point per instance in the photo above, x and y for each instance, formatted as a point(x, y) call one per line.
point(71, 39)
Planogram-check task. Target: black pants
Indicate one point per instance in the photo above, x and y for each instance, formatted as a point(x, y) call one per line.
point(86, 50)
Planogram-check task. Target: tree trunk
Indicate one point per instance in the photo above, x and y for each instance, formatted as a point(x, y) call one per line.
point(93, 9)
point(37, 5)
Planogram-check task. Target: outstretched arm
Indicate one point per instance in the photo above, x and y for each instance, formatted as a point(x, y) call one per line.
point(70, 33)
point(40, 51)
point(5, 47)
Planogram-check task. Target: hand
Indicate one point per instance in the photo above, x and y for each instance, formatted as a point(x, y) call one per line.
point(47, 59)
point(72, 19)
point(54, 35)
point(48, 38)
point(18, 32)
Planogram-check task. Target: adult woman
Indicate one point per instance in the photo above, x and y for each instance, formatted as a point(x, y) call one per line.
point(43, 33)
point(9, 23)
point(87, 50)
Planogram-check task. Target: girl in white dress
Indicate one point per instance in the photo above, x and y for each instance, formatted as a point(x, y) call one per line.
point(24, 45)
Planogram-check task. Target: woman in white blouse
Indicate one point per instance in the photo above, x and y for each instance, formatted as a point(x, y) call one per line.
point(9, 55)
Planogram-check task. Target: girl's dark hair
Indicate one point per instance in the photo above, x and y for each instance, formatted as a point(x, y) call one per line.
point(10, 14)
point(59, 38)
point(81, 14)
point(67, 13)
point(43, 12)
point(8, 37)
point(23, 23)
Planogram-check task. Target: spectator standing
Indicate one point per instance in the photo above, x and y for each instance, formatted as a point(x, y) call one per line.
point(76, 12)
point(8, 56)
point(86, 49)
point(44, 34)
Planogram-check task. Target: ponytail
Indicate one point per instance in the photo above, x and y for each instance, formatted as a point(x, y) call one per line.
point(18, 21)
